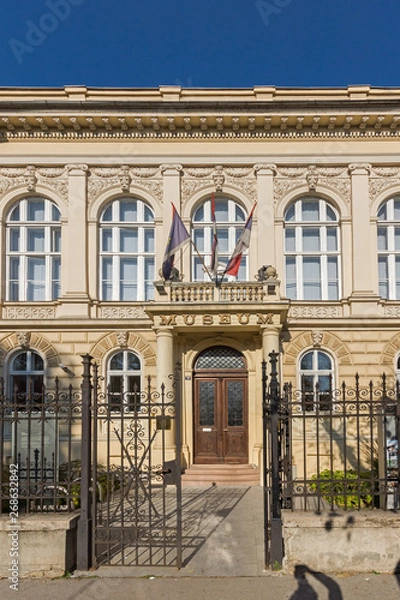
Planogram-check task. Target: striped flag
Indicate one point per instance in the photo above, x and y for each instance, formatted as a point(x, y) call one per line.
point(178, 236)
point(232, 268)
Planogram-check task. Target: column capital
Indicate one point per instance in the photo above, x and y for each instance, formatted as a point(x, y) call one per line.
point(265, 169)
point(77, 169)
point(360, 169)
point(174, 169)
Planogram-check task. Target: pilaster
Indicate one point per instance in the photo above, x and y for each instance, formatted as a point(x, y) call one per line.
point(265, 214)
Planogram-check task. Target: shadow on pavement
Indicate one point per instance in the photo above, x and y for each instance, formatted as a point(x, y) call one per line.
point(305, 591)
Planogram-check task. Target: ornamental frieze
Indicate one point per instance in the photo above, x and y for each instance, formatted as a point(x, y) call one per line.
point(30, 176)
point(122, 312)
point(377, 186)
point(241, 178)
point(30, 312)
point(315, 312)
point(288, 178)
point(103, 178)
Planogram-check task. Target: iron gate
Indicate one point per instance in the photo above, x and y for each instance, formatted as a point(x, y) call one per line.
point(133, 505)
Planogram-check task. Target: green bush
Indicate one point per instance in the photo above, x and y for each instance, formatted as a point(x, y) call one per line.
point(347, 490)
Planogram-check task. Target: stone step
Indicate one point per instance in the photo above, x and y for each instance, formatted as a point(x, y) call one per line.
point(215, 474)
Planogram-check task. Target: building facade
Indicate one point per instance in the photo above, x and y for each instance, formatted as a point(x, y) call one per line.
point(87, 178)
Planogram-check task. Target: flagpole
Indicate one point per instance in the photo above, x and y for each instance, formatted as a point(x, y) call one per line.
point(201, 258)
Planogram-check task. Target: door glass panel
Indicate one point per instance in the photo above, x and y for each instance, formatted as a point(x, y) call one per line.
point(206, 403)
point(235, 403)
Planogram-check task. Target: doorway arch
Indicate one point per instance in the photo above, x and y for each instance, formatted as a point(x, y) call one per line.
point(220, 382)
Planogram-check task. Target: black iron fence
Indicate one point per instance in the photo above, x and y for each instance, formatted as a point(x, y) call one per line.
point(40, 450)
point(333, 449)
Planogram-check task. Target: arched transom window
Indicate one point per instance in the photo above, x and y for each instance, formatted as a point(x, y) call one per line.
point(230, 219)
point(389, 249)
point(312, 250)
point(33, 251)
point(124, 381)
point(127, 251)
point(316, 377)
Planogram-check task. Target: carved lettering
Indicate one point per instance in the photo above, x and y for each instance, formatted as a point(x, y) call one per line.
point(189, 319)
point(208, 320)
point(168, 320)
point(243, 318)
point(225, 319)
point(265, 319)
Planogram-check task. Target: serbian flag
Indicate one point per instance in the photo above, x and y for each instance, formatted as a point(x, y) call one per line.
point(214, 249)
point(178, 236)
point(243, 243)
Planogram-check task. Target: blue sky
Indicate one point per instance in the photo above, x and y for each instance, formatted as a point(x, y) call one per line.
point(201, 43)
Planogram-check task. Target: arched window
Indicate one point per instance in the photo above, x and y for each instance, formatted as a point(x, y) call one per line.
point(389, 249)
point(124, 381)
point(230, 219)
point(27, 376)
point(33, 251)
point(127, 251)
point(312, 250)
point(316, 377)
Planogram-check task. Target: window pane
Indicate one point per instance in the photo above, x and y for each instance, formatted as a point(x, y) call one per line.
point(14, 240)
point(311, 240)
point(55, 239)
point(221, 211)
point(15, 213)
point(324, 362)
point(382, 213)
point(129, 240)
point(290, 236)
point(397, 275)
point(107, 214)
point(397, 238)
point(199, 236)
point(291, 286)
point(198, 274)
point(307, 362)
point(239, 214)
point(14, 279)
point(36, 362)
point(396, 210)
point(383, 277)
point(149, 278)
point(20, 362)
point(36, 240)
point(55, 213)
point(312, 278)
point(128, 211)
point(148, 215)
point(310, 210)
point(117, 362)
point(206, 403)
point(128, 279)
point(199, 214)
point(149, 240)
point(382, 238)
point(106, 244)
point(235, 403)
point(35, 210)
point(223, 239)
point(330, 214)
point(331, 239)
point(133, 362)
point(290, 214)
point(56, 277)
point(106, 276)
point(36, 279)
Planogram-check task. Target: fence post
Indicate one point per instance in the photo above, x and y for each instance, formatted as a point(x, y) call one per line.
point(276, 552)
point(84, 550)
point(265, 411)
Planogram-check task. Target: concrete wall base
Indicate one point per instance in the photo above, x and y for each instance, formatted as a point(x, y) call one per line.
point(44, 545)
point(342, 542)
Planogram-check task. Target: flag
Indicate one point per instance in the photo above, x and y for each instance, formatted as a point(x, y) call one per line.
point(178, 236)
point(214, 249)
point(243, 243)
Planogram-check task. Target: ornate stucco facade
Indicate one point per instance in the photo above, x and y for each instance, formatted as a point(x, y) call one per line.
point(82, 149)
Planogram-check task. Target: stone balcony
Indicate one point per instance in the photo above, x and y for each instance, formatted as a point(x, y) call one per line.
point(249, 292)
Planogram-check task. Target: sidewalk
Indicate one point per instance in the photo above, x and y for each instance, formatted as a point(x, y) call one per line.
point(223, 559)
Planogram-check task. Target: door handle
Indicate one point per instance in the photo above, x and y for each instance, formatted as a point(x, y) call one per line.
point(225, 429)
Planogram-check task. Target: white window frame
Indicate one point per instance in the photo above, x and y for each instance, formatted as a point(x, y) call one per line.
point(29, 372)
point(390, 253)
point(23, 255)
point(234, 227)
point(144, 287)
point(298, 254)
point(125, 373)
point(315, 373)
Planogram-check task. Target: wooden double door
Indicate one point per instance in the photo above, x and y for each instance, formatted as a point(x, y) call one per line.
point(220, 415)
